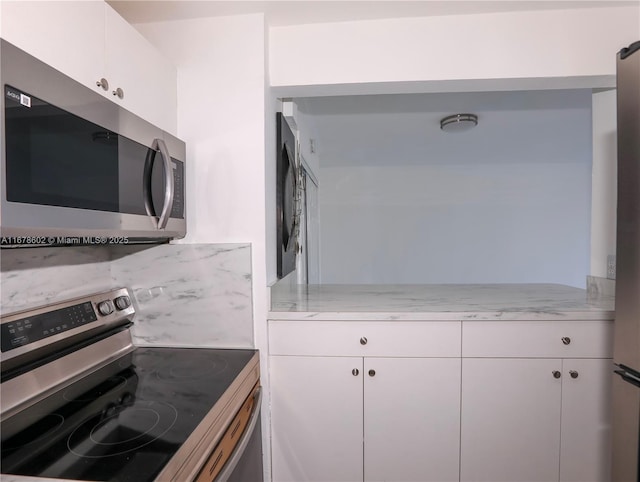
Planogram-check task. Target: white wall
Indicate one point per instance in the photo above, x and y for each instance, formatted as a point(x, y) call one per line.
point(604, 192)
point(221, 103)
point(307, 132)
point(403, 202)
point(559, 48)
point(223, 116)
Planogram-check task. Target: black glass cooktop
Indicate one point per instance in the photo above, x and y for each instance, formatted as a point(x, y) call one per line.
point(124, 422)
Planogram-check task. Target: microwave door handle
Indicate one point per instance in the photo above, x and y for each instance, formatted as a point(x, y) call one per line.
point(146, 185)
point(158, 144)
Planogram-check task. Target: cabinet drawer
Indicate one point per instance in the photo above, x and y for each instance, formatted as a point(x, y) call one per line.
point(365, 338)
point(538, 339)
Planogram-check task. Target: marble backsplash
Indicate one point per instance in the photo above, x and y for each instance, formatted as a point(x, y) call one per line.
point(189, 294)
point(184, 294)
point(31, 277)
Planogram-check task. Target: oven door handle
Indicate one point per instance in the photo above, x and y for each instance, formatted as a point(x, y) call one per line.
point(238, 452)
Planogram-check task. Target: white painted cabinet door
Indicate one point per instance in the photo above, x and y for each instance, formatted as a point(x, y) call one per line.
point(68, 36)
point(510, 426)
point(316, 418)
point(148, 80)
point(411, 419)
point(586, 420)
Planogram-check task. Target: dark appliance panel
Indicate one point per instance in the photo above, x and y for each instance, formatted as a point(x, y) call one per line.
point(626, 350)
point(287, 214)
point(127, 426)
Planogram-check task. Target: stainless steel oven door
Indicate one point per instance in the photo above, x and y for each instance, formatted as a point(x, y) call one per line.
point(237, 457)
point(246, 463)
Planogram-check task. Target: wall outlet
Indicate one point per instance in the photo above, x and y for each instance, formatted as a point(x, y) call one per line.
point(611, 266)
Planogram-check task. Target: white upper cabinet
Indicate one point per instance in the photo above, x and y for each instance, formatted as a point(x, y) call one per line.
point(145, 78)
point(69, 36)
point(90, 42)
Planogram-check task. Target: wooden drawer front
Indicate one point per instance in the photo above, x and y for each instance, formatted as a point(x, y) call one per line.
point(343, 338)
point(538, 339)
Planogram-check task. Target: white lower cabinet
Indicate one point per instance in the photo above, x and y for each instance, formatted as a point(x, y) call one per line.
point(536, 402)
point(365, 401)
point(373, 419)
point(511, 412)
point(316, 418)
point(504, 401)
point(585, 436)
point(411, 419)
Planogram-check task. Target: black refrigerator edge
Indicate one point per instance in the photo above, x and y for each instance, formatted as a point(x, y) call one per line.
point(626, 352)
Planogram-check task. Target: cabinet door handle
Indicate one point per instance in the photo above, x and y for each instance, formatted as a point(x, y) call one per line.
point(566, 340)
point(556, 374)
point(372, 373)
point(102, 83)
point(119, 93)
point(363, 340)
point(574, 374)
point(355, 372)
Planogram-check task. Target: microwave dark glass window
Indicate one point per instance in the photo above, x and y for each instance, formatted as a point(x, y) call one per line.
point(56, 158)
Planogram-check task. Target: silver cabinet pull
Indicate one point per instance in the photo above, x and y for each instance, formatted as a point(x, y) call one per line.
point(355, 372)
point(556, 374)
point(573, 373)
point(566, 340)
point(363, 340)
point(102, 83)
point(119, 93)
point(372, 373)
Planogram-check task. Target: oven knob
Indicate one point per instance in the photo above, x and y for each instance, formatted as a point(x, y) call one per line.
point(105, 308)
point(122, 302)
point(127, 399)
point(109, 411)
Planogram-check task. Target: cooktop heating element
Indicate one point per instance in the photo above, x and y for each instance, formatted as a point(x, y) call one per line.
point(148, 414)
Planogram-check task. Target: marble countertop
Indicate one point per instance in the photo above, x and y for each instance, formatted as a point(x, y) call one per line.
point(438, 302)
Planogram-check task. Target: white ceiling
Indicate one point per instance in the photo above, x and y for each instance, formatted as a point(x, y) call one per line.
point(294, 12)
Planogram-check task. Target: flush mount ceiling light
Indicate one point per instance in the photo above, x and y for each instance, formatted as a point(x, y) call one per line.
point(458, 122)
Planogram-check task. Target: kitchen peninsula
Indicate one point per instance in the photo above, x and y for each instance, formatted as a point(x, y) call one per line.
point(440, 382)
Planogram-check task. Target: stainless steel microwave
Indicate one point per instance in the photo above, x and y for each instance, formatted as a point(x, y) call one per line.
point(79, 169)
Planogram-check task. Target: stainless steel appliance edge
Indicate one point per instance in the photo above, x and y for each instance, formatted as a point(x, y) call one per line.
point(626, 383)
point(59, 225)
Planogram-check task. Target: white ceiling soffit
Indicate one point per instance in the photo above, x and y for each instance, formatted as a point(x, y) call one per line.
point(294, 12)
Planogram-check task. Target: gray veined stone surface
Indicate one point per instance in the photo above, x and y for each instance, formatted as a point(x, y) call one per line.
point(184, 294)
point(439, 302)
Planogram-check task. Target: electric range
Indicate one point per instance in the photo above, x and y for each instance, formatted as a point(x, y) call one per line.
point(80, 402)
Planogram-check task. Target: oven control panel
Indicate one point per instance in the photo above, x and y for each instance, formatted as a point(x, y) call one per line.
point(33, 328)
point(72, 317)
